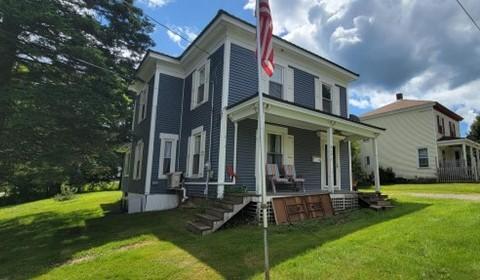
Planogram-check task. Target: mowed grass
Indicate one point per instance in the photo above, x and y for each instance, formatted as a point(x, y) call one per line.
point(464, 188)
point(88, 238)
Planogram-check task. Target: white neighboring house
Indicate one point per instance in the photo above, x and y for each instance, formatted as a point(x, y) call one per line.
point(422, 141)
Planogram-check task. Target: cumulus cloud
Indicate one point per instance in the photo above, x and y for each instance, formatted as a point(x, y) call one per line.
point(426, 49)
point(186, 32)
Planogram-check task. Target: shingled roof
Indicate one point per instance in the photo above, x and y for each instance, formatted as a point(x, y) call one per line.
point(404, 104)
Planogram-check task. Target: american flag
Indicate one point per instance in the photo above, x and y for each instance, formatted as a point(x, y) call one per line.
point(265, 29)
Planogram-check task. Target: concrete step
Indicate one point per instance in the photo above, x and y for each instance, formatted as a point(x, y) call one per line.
point(224, 205)
point(233, 198)
point(217, 212)
point(198, 227)
point(207, 219)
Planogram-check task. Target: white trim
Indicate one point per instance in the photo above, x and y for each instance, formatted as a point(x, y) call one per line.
point(350, 170)
point(138, 160)
point(205, 64)
point(143, 100)
point(235, 144)
point(318, 94)
point(223, 121)
point(153, 121)
point(274, 107)
point(196, 132)
point(376, 169)
point(289, 84)
point(323, 159)
point(428, 158)
point(174, 139)
point(126, 162)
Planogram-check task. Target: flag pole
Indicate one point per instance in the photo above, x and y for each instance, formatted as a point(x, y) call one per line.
point(261, 138)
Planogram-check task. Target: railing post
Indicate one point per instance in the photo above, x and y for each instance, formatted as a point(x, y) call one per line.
point(376, 165)
point(330, 158)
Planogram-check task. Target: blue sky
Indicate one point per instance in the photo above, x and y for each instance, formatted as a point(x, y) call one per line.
point(424, 49)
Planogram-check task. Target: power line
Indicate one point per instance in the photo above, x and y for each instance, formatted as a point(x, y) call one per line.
point(468, 14)
point(168, 28)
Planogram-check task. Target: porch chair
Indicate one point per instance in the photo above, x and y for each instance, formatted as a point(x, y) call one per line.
point(291, 175)
point(273, 176)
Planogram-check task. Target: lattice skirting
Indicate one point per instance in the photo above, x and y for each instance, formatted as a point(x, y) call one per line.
point(254, 210)
point(341, 202)
point(344, 202)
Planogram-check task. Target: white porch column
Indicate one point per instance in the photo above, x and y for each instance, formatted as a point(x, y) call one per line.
point(330, 158)
point(350, 170)
point(376, 167)
point(474, 164)
point(464, 152)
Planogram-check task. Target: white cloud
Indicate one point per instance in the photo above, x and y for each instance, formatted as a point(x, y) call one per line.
point(425, 49)
point(157, 3)
point(186, 32)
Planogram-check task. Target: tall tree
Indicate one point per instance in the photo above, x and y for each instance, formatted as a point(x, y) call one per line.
point(474, 133)
point(65, 68)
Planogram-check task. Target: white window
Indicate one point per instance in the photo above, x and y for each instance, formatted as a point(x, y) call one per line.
point(275, 85)
point(137, 165)
point(126, 164)
point(327, 98)
point(142, 110)
point(200, 85)
point(168, 152)
point(196, 153)
point(423, 157)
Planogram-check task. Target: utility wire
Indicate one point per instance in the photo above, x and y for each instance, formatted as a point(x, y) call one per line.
point(167, 28)
point(468, 14)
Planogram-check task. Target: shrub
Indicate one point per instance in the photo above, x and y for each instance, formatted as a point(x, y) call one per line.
point(66, 193)
point(387, 176)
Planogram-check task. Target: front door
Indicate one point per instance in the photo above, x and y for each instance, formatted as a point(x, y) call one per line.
point(325, 166)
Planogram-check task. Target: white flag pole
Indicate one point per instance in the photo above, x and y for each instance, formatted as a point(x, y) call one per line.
point(261, 138)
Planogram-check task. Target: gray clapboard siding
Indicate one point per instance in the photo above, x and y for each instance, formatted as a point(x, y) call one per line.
point(200, 116)
point(168, 121)
point(344, 166)
point(141, 131)
point(304, 88)
point(306, 145)
point(243, 74)
point(246, 154)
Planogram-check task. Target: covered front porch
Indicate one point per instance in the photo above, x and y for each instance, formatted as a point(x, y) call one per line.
point(316, 144)
point(458, 160)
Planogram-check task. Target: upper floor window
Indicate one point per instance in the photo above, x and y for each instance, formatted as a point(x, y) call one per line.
point(453, 131)
point(275, 85)
point(441, 125)
point(196, 153)
point(200, 82)
point(423, 157)
point(168, 152)
point(142, 110)
point(327, 98)
point(137, 164)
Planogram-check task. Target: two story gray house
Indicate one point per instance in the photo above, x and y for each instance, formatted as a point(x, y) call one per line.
point(196, 114)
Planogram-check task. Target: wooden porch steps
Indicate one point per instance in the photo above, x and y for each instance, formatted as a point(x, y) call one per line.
point(376, 201)
point(218, 213)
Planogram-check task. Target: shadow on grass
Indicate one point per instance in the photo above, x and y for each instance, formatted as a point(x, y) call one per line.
point(51, 239)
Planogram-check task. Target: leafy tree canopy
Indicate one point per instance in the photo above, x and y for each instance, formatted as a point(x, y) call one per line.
point(65, 68)
point(474, 133)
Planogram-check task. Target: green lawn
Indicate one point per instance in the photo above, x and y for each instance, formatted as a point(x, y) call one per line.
point(87, 238)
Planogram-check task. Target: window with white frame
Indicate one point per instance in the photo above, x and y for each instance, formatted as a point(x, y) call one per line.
point(422, 157)
point(168, 152)
point(327, 98)
point(275, 85)
point(126, 164)
point(200, 85)
point(142, 109)
point(196, 153)
point(137, 164)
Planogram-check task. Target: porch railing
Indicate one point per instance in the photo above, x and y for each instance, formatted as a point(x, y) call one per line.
point(456, 171)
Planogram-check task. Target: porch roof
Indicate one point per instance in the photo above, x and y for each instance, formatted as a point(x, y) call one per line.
point(453, 141)
point(283, 112)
